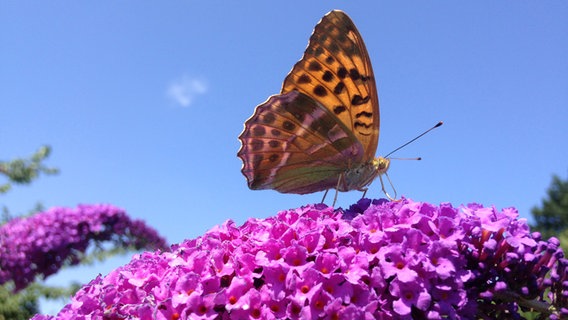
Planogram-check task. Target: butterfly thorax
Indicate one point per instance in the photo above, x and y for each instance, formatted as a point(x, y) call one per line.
point(358, 177)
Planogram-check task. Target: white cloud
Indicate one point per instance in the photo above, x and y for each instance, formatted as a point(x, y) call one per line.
point(183, 90)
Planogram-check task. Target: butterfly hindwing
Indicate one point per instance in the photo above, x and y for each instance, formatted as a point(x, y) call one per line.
point(336, 72)
point(293, 144)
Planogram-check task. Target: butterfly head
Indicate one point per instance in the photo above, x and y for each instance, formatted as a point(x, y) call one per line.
point(381, 165)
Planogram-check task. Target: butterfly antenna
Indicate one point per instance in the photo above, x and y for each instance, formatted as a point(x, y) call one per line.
point(411, 141)
point(417, 158)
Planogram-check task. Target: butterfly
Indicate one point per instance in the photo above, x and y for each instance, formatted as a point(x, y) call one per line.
point(321, 132)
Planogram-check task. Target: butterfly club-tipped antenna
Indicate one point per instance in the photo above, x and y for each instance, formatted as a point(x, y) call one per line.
point(440, 123)
point(395, 150)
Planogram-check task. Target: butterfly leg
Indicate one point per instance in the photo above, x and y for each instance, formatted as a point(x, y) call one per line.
point(364, 192)
point(339, 182)
point(324, 195)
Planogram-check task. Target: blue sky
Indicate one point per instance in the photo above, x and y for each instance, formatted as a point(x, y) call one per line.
point(142, 102)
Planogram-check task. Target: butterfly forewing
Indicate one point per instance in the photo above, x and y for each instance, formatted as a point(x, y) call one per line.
point(293, 144)
point(336, 72)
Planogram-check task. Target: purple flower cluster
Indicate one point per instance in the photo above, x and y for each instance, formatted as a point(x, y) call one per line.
point(376, 260)
point(41, 244)
point(513, 269)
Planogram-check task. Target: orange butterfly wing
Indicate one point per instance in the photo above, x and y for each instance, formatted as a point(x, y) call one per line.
point(324, 124)
point(336, 72)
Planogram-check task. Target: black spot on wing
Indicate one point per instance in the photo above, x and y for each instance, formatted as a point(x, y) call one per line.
point(320, 91)
point(339, 109)
point(339, 87)
point(258, 131)
point(357, 100)
point(364, 114)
